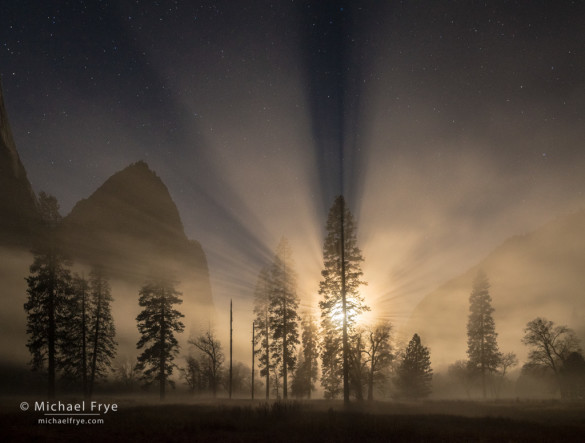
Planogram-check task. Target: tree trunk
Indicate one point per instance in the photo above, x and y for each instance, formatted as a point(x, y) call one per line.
point(161, 375)
point(51, 339)
point(267, 359)
point(344, 307)
point(231, 373)
point(84, 345)
point(95, 340)
point(371, 383)
point(284, 355)
point(253, 332)
point(309, 374)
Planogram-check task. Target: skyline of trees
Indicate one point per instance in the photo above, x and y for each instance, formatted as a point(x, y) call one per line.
point(86, 350)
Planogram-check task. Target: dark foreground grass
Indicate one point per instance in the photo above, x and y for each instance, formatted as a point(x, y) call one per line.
point(310, 422)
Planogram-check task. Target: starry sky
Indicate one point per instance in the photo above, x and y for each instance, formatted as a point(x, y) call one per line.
point(449, 126)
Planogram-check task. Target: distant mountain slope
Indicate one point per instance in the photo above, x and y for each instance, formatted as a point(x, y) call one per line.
point(538, 274)
point(131, 226)
point(18, 211)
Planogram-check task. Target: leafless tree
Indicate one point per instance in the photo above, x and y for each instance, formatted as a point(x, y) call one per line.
point(211, 349)
point(379, 354)
point(550, 346)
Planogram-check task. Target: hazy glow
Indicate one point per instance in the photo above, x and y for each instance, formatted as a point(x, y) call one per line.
point(448, 149)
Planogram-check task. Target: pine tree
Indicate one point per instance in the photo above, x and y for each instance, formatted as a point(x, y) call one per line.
point(263, 329)
point(415, 373)
point(298, 385)
point(331, 360)
point(89, 345)
point(75, 346)
point(482, 346)
point(157, 323)
point(283, 306)
point(342, 301)
point(102, 330)
point(306, 373)
point(357, 365)
point(310, 340)
point(49, 291)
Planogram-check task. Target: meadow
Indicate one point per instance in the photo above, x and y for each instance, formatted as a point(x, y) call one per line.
point(315, 421)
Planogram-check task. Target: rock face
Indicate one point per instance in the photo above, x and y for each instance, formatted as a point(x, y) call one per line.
point(538, 274)
point(131, 227)
point(18, 211)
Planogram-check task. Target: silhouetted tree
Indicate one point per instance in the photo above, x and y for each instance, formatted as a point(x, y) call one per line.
point(263, 329)
point(275, 381)
point(378, 353)
point(283, 306)
point(127, 374)
point(482, 346)
point(550, 345)
point(49, 291)
point(331, 360)
point(307, 371)
point(74, 362)
point(242, 381)
point(358, 371)
point(102, 330)
point(461, 373)
point(192, 374)
point(342, 301)
point(572, 375)
point(507, 361)
point(414, 373)
point(213, 358)
point(89, 346)
point(157, 323)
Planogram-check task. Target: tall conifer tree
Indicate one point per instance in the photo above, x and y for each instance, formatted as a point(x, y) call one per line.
point(74, 363)
point(414, 373)
point(263, 329)
point(482, 346)
point(284, 302)
point(89, 346)
point(307, 370)
point(49, 291)
point(157, 323)
point(342, 302)
point(102, 330)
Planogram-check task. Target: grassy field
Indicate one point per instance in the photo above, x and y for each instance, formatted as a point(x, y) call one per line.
point(317, 421)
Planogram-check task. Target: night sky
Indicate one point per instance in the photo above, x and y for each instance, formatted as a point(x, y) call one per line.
point(449, 126)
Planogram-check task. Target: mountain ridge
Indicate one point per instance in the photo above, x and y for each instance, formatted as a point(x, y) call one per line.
point(130, 225)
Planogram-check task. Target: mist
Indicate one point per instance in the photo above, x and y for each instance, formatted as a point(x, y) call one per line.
point(449, 132)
